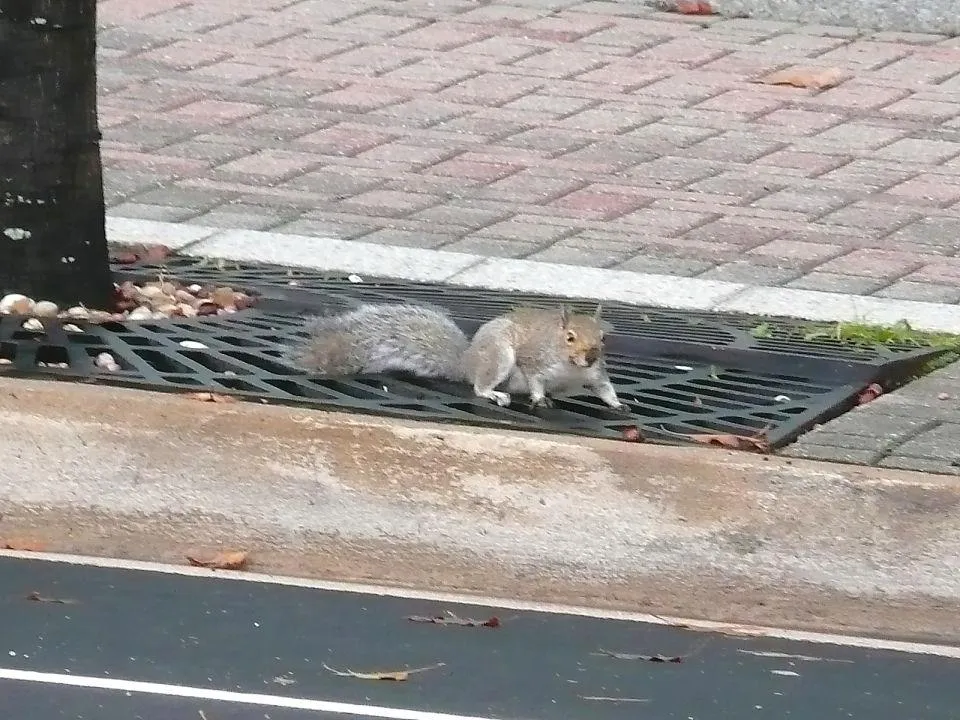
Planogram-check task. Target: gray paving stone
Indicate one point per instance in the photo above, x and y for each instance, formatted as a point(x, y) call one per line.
point(193, 198)
point(240, 220)
point(325, 228)
point(925, 292)
point(941, 442)
point(146, 211)
point(832, 282)
point(869, 421)
point(751, 273)
point(567, 254)
point(494, 247)
point(809, 451)
point(850, 441)
point(408, 238)
point(928, 465)
point(665, 266)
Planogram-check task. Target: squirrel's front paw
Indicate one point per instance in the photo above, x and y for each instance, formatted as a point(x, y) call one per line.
point(541, 402)
point(501, 398)
point(621, 408)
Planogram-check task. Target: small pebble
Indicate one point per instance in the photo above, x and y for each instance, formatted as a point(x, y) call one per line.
point(33, 325)
point(7, 302)
point(45, 308)
point(78, 313)
point(943, 396)
point(355, 278)
point(192, 345)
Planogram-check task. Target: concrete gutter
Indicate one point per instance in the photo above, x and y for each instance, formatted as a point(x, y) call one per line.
point(702, 533)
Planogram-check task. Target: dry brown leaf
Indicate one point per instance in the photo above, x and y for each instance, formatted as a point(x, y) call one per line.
point(135, 253)
point(156, 253)
point(801, 77)
point(24, 545)
point(394, 675)
point(757, 443)
point(210, 397)
point(228, 560)
point(734, 442)
point(693, 7)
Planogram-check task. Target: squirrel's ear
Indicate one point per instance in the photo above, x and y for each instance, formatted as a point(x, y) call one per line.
point(604, 326)
point(598, 312)
point(564, 314)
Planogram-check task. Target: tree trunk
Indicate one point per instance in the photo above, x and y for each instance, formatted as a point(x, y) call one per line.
point(53, 243)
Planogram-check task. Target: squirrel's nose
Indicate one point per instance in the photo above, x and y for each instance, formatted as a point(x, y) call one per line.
point(592, 355)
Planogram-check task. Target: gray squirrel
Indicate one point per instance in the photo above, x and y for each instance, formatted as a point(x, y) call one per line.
point(536, 351)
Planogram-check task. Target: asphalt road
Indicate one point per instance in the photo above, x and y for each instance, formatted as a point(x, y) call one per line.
point(196, 637)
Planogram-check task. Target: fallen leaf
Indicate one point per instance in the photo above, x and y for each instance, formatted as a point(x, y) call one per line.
point(37, 597)
point(801, 77)
point(632, 434)
point(148, 253)
point(24, 545)
point(869, 394)
point(210, 397)
point(394, 675)
point(156, 253)
point(693, 7)
point(451, 619)
point(633, 656)
point(228, 560)
point(758, 442)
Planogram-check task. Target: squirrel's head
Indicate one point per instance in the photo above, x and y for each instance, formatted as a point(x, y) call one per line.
point(583, 336)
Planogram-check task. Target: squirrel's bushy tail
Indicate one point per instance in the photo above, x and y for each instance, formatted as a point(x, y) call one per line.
point(376, 338)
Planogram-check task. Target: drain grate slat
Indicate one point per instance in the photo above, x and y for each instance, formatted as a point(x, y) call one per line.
point(680, 373)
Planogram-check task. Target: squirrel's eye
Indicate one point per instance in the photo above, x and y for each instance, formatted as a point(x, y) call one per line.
point(571, 337)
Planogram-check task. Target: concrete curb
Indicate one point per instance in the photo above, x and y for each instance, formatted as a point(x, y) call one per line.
point(699, 533)
point(415, 264)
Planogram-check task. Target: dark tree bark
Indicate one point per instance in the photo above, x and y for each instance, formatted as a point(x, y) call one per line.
point(52, 239)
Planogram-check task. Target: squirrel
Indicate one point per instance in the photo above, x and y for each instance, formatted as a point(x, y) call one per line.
point(536, 351)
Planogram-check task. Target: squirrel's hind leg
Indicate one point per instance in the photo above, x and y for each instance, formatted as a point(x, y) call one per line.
point(490, 370)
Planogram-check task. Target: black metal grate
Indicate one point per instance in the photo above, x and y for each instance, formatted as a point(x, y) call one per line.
point(679, 372)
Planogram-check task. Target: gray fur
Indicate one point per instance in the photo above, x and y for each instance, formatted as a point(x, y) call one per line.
point(380, 338)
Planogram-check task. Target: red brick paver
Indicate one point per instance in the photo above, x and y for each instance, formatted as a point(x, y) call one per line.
point(569, 131)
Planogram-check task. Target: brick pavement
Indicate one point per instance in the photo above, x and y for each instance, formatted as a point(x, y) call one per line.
point(594, 133)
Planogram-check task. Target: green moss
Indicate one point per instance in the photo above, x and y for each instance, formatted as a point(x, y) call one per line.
point(900, 334)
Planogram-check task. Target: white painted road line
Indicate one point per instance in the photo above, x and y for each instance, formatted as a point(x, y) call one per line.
point(183, 691)
point(947, 651)
point(417, 264)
